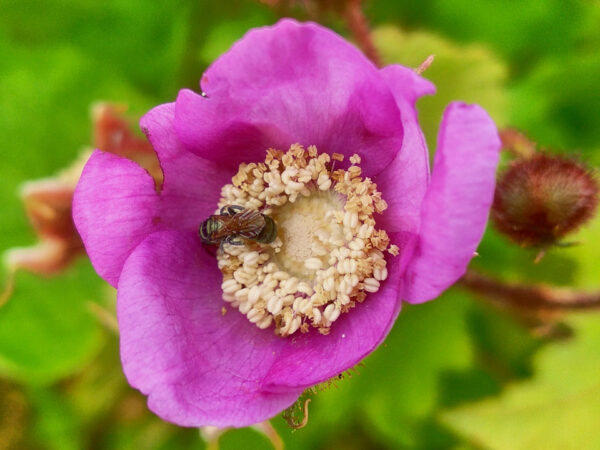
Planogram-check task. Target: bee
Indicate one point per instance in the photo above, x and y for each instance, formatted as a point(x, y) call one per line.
point(235, 222)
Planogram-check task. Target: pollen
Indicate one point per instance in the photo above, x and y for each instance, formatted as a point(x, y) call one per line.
point(328, 255)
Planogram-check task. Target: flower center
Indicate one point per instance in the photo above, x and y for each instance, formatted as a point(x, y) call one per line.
point(327, 254)
point(305, 229)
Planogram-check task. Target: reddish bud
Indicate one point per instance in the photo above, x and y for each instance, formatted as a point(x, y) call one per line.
point(113, 133)
point(48, 201)
point(541, 199)
point(48, 206)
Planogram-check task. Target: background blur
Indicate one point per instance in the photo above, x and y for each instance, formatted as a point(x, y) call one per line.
point(454, 373)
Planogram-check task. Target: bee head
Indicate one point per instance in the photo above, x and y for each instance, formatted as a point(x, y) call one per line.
point(207, 230)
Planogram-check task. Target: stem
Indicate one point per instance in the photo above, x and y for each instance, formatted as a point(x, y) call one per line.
point(359, 26)
point(270, 433)
point(425, 65)
point(201, 15)
point(9, 288)
point(106, 318)
point(517, 144)
point(532, 297)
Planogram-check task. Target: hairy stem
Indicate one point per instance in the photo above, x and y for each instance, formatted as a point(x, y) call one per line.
point(359, 26)
point(517, 144)
point(531, 297)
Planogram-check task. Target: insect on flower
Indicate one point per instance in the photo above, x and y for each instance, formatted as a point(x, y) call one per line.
point(235, 222)
point(354, 243)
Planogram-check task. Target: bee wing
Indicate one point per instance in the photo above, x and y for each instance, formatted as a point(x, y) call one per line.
point(250, 223)
point(247, 224)
point(227, 226)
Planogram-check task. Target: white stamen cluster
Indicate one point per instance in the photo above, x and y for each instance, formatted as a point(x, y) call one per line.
point(327, 255)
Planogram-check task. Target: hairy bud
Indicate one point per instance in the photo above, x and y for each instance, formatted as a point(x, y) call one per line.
point(541, 199)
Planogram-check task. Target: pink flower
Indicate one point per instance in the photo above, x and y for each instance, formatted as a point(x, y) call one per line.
point(281, 85)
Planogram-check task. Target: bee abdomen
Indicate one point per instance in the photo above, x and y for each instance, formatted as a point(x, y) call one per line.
point(269, 231)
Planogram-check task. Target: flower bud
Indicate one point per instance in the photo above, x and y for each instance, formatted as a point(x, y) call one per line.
point(113, 133)
point(48, 201)
point(539, 200)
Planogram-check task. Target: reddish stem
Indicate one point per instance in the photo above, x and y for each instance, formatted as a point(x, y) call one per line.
point(359, 26)
point(517, 144)
point(531, 297)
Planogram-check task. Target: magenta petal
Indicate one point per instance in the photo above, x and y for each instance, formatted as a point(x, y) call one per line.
point(114, 209)
point(308, 359)
point(406, 85)
point(192, 185)
point(116, 205)
point(404, 182)
point(457, 202)
point(198, 366)
point(286, 84)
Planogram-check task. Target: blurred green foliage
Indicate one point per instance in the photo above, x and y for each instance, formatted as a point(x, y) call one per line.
point(46, 330)
point(454, 373)
point(470, 73)
point(557, 409)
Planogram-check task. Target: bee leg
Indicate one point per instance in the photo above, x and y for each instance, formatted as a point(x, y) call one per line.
point(234, 240)
point(230, 210)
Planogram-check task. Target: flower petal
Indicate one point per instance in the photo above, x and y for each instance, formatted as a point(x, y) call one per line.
point(404, 182)
point(192, 185)
point(311, 358)
point(116, 206)
point(458, 199)
point(114, 209)
point(286, 84)
point(198, 365)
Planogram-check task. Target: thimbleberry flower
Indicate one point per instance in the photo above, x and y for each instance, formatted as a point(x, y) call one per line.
point(296, 123)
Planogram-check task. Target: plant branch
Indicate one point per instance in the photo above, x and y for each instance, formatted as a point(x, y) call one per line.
point(9, 288)
point(359, 26)
point(531, 297)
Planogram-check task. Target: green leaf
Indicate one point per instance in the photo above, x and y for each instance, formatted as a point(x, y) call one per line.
point(244, 438)
point(525, 31)
point(469, 73)
point(557, 409)
point(46, 329)
point(585, 252)
point(576, 265)
point(558, 104)
point(56, 426)
point(46, 96)
point(513, 263)
point(140, 41)
point(224, 34)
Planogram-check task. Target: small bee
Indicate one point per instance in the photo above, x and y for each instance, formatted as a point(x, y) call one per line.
point(233, 223)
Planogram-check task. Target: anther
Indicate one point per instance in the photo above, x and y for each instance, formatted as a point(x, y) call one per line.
point(327, 254)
